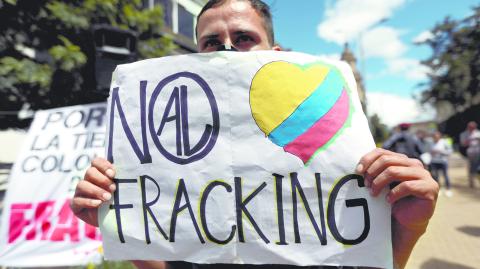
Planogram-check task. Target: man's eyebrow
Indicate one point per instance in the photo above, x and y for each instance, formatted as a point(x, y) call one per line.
point(211, 36)
point(241, 32)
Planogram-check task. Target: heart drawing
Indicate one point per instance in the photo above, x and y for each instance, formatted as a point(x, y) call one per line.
point(300, 108)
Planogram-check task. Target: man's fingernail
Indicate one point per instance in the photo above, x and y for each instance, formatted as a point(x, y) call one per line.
point(389, 198)
point(110, 173)
point(367, 183)
point(95, 202)
point(107, 196)
point(112, 187)
point(359, 168)
point(371, 192)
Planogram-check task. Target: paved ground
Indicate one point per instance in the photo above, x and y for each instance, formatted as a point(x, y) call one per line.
point(453, 237)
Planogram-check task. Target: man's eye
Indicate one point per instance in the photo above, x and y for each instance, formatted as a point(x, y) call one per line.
point(243, 38)
point(211, 43)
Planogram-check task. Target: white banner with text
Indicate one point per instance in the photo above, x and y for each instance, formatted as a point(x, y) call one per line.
point(38, 228)
point(243, 158)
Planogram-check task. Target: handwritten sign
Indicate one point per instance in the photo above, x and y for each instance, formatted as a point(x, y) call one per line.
point(38, 228)
point(241, 158)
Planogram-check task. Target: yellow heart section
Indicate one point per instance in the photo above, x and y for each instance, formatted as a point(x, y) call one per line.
point(279, 88)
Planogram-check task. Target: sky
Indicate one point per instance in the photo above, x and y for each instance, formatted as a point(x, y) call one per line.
point(382, 34)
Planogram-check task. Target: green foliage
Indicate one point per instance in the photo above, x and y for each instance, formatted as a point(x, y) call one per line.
point(455, 62)
point(67, 56)
point(69, 15)
point(378, 129)
point(59, 33)
point(25, 71)
point(155, 47)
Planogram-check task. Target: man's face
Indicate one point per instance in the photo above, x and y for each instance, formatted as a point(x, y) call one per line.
point(234, 23)
point(471, 126)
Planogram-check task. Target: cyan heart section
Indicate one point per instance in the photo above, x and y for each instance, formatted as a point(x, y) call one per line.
point(310, 111)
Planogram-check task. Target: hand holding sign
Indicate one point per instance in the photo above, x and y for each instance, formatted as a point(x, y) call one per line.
point(186, 203)
point(194, 165)
point(97, 187)
point(413, 198)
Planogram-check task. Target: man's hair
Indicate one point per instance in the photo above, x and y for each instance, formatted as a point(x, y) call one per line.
point(260, 7)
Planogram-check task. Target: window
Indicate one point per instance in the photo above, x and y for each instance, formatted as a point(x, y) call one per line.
point(179, 15)
point(185, 22)
point(167, 11)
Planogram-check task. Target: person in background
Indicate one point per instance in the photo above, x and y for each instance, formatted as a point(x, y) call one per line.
point(440, 151)
point(470, 139)
point(404, 142)
point(426, 141)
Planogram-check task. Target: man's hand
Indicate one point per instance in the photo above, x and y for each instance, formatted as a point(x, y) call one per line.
point(96, 188)
point(413, 196)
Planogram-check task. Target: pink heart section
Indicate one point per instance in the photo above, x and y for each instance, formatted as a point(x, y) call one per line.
point(305, 145)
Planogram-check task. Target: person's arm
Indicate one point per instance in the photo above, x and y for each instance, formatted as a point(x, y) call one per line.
point(446, 149)
point(391, 141)
point(464, 139)
point(97, 188)
point(413, 199)
point(151, 265)
point(419, 146)
point(403, 242)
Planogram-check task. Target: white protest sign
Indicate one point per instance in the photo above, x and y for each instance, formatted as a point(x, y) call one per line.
point(241, 158)
point(38, 228)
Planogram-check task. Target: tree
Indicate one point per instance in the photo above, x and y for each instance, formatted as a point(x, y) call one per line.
point(378, 129)
point(47, 49)
point(454, 63)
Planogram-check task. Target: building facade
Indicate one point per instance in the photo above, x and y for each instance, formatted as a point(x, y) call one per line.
point(347, 56)
point(180, 18)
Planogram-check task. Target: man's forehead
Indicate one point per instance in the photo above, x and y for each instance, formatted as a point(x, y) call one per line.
point(229, 9)
point(239, 6)
point(236, 15)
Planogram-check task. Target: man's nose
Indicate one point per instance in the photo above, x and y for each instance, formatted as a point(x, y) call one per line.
point(226, 47)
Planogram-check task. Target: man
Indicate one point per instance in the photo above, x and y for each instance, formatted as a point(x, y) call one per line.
point(440, 151)
point(470, 139)
point(246, 25)
point(405, 142)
